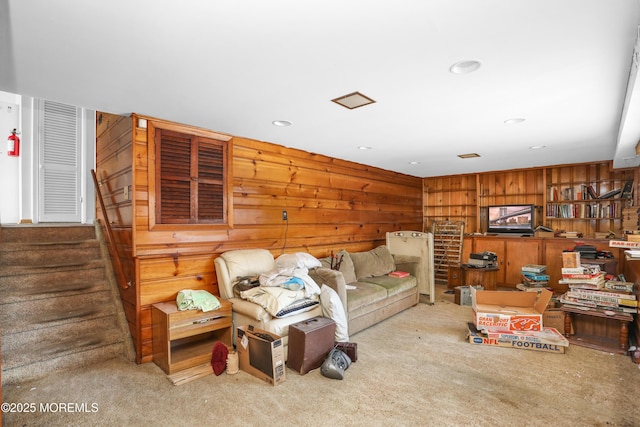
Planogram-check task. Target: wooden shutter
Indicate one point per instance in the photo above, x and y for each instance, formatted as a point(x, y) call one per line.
point(210, 180)
point(190, 171)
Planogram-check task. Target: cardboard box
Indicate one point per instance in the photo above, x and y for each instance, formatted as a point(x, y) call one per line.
point(516, 311)
point(462, 294)
point(550, 340)
point(261, 354)
point(553, 318)
point(544, 234)
point(570, 259)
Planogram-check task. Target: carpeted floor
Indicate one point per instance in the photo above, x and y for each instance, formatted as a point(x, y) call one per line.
point(413, 369)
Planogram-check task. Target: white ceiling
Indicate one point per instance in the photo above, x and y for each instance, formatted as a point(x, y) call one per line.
point(236, 66)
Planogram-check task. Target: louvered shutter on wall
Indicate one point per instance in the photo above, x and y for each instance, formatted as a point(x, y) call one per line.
point(210, 180)
point(191, 177)
point(60, 200)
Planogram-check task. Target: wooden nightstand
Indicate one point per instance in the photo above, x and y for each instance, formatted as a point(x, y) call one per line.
point(485, 277)
point(184, 339)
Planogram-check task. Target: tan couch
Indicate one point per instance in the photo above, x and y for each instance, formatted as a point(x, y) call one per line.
point(367, 291)
point(368, 294)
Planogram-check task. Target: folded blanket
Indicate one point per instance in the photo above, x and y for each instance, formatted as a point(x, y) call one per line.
point(292, 278)
point(189, 299)
point(274, 299)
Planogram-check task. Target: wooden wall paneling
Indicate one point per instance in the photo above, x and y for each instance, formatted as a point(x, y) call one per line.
point(332, 204)
point(450, 198)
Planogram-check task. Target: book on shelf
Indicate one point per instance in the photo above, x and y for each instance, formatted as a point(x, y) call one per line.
point(610, 194)
point(534, 268)
point(627, 190)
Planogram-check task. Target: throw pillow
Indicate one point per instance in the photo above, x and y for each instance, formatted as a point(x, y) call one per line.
point(333, 309)
point(346, 267)
point(219, 357)
point(376, 262)
point(297, 260)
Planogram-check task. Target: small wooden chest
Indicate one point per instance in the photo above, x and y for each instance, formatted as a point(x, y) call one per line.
point(310, 341)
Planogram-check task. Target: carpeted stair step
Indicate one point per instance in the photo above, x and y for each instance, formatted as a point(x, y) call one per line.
point(19, 288)
point(57, 306)
point(38, 345)
point(70, 266)
point(39, 254)
point(39, 233)
point(49, 312)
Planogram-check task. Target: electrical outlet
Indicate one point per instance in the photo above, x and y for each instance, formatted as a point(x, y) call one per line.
point(285, 217)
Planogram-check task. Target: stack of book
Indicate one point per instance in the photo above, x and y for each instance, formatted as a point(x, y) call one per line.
point(601, 300)
point(588, 289)
point(584, 276)
point(533, 277)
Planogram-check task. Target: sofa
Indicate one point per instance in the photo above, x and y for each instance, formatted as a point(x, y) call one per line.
point(366, 292)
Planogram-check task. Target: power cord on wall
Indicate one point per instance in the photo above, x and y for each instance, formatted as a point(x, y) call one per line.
point(285, 218)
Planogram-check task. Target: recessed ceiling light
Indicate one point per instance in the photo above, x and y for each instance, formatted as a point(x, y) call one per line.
point(537, 147)
point(464, 67)
point(468, 155)
point(414, 163)
point(363, 147)
point(514, 121)
point(353, 100)
point(281, 123)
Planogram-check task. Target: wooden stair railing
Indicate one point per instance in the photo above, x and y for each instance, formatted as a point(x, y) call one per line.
point(113, 249)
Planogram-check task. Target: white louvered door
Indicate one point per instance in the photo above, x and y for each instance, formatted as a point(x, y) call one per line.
point(60, 133)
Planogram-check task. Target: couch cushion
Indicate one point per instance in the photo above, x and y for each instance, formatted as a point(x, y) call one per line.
point(375, 262)
point(393, 285)
point(346, 267)
point(364, 294)
point(248, 262)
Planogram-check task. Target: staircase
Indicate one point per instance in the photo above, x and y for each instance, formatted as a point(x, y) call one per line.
point(59, 306)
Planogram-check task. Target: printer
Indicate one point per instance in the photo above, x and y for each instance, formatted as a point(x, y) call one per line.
point(483, 260)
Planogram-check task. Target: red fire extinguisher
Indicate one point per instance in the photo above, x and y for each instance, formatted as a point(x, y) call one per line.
point(13, 144)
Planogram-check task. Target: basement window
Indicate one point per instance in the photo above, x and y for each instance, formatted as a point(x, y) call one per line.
point(191, 176)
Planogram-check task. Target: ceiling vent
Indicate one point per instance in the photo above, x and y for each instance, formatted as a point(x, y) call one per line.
point(353, 100)
point(468, 155)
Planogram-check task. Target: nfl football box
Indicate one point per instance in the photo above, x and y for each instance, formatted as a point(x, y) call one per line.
point(549, 341)
point(510, 310)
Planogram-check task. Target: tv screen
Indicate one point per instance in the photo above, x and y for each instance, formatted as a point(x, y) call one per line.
point(511, 219)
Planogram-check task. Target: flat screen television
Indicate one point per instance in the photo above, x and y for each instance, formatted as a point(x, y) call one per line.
point(511, 219)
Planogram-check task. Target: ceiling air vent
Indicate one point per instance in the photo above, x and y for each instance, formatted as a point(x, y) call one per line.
point(353, 100)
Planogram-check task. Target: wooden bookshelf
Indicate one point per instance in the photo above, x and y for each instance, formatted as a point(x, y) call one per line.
point(465, 197)
point(587, 197)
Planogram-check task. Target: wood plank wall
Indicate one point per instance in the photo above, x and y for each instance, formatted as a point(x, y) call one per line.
point(332, 204)
point(114, 171)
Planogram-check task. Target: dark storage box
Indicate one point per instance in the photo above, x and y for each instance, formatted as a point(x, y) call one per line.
point(310, 341)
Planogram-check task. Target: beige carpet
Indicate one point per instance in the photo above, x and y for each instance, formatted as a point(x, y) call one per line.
point(413, 369)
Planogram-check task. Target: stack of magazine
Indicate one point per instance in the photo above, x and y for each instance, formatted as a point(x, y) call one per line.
point(588, 289)
point(534, 277)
